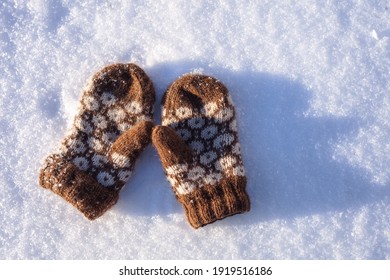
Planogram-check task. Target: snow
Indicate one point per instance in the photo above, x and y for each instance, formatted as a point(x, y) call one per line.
point(311, 85)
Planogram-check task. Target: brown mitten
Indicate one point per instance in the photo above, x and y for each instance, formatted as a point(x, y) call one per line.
point(112, 127)
point(199, 149)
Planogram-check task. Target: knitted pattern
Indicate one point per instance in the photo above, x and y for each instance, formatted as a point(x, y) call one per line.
point(112, 127)
point(199, 149)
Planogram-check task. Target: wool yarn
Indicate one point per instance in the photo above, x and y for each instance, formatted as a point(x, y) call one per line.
point(199, 149)
point(97, 156)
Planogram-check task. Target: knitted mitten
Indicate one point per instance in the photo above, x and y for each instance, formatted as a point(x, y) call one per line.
point(199, 149)
point(97, 156)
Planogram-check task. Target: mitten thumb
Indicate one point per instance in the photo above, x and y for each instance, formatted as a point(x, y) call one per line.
point(170, 147)
point(130, 144)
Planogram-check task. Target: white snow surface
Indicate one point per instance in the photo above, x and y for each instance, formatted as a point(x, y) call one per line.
point(311, 85)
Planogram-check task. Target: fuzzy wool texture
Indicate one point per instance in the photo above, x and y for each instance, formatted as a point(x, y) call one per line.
point(310, 81)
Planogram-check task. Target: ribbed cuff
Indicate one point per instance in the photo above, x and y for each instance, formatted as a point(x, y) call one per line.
point(211, 203)
point(78, 188)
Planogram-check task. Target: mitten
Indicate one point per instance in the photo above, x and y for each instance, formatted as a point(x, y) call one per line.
point(199, 149)
point(112, 127)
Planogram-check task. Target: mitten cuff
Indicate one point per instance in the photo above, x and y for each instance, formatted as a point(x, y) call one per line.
point(78, 188)
point(208, 204)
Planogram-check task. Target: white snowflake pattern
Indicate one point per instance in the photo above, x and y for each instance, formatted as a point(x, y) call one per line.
point(124, 175)
point(185, 188)
point(183, 113)
point(223, 140)
point(227, 162)
point(209, 109)
point(116, 114)
point(105, 179)
point(196, 123)
point(124, 126)
point(99, 160)
point(143, 118)
point(119, 160)
point(170, 121)
point(233, 125)
point(134, 107)
point(90, 103)
point(239, 171)
point(236, 149)
point(196, 173)
point(223, 115)
point(208, 157)
point(78, 146)
point(212, 178)
point(81, 162)
point(99, 121)
point(209, 132)
point(95, 144)
point(176, 169)
point(108, 99)
point(83, 125)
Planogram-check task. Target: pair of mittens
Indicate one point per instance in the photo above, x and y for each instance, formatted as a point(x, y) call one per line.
point(198, 145)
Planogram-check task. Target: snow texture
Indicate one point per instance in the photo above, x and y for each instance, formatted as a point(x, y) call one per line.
point(311, 85)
